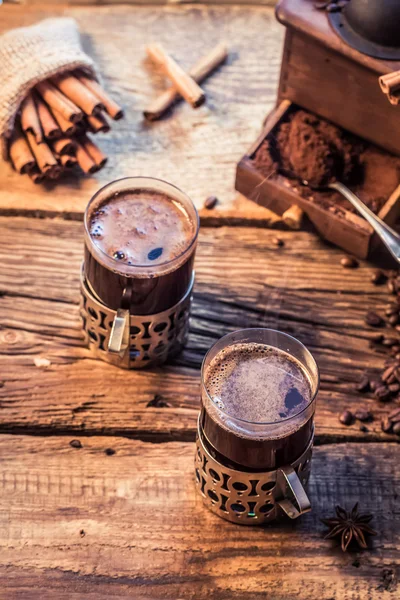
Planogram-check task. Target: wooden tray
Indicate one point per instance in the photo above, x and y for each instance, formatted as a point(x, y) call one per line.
point(347, 230)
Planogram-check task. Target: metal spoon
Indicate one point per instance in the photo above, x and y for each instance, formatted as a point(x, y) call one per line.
point(389, 237)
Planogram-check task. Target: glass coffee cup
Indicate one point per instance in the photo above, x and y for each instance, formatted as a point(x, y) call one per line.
point(137, 275)
point(256, 426)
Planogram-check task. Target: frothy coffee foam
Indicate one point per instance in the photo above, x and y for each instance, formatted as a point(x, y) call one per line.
point(141, 227)
point(259, 384)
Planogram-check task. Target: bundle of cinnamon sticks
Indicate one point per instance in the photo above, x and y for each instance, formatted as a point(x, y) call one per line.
point(51, 130)
point(390, 85)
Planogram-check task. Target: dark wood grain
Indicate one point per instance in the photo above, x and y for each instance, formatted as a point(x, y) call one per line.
point(140, 2)
point(196, 150)
point(243, 280)
point(147, 535)
point(305, 18)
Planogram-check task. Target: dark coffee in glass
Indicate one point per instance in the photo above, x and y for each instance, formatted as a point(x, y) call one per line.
point(140, 241)
point(258, 399)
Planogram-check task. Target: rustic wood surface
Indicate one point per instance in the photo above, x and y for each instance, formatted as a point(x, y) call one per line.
point(78, 523)
point(300, 288)
point(177, 148)
point(139, 2)
point(126, 523)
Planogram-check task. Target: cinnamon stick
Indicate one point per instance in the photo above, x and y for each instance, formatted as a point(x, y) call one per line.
point(57, 101)
point(51, 129)
point(186, 86)
point(36, 175)
point(395, 100)
point(85, 161)
point(97, 123)
point(64, 145)
point(54, 172)
point(94, 152)
point(67, 128)
point(198, 72)
point(68, 161)
point(390, 82)
point(44, 157)
point(20, 153)
point(112, 108)
point(293, 217)
point(30, 118)
point(79, 94)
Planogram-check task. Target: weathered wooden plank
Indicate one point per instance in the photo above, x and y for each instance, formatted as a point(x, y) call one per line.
point(140, 2)
point(195, 149)
point(243, 280)
point(147, 535)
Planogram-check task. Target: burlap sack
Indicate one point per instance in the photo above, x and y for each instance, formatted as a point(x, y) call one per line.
point(31, 54)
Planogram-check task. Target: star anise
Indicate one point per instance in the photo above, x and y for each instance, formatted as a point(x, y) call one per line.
point(350, 526)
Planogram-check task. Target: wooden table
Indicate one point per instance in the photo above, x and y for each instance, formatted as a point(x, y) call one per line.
point(119, 516)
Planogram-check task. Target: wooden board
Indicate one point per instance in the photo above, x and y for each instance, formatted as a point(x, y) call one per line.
point(194, 149)
point(139, 2)
point(300, 288)
point(77, 523)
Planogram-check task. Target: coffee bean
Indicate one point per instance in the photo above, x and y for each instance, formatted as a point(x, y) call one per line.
point(378, 278)
point(346, 418)
point(363, 384)
point(349, 263)
point(394, 388)
point(373, 319)
point(396, 428)
point(363, 415)
point(393, 320)
point(278, 242)
point(211, 202)
point(75, 444)
point(382, 393)
point(390, 380)
point(391, 287)
point(394, 415)
point(387, 373)
point(389, 341)
point(363, 428)
point(386, 425)
point(394, 349)
point(374, 384)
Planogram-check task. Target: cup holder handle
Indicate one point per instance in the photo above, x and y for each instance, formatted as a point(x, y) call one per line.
point(295, 501)
point(120, 331)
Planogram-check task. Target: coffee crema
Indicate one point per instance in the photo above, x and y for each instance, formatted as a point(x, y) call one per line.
point(141, 227)
point(256, 383)
point(139, 247)
point(251, 384)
